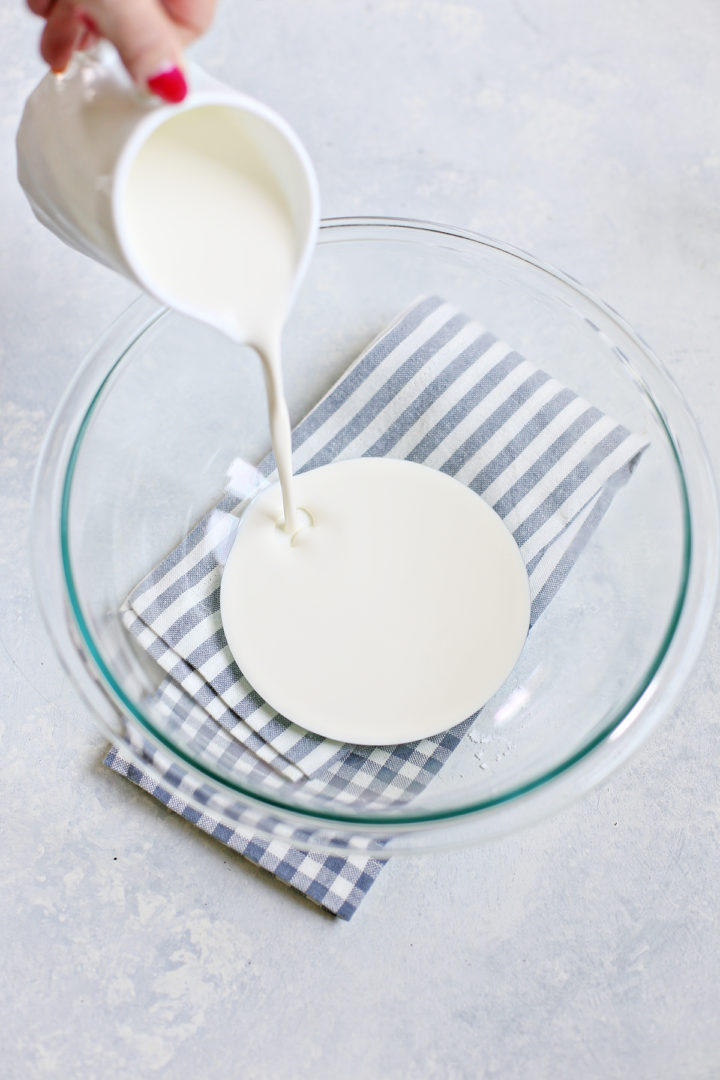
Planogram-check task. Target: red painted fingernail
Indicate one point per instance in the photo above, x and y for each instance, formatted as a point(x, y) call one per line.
point(169, 85)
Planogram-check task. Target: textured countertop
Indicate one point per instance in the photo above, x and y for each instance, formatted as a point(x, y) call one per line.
point(588, 946)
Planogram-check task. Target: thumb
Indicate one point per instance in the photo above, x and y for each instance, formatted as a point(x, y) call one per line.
point(147, 41)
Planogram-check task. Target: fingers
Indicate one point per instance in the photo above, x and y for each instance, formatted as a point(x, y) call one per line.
point(60, 36)
point(148, 34)
point(40, 7)
point(147, 41)
point(192, 17)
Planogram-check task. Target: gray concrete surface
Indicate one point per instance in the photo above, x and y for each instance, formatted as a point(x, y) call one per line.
point(587, 947)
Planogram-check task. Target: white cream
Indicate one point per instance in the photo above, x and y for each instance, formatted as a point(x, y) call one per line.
point(208, 223)
point(403, 606)
point(396, 615)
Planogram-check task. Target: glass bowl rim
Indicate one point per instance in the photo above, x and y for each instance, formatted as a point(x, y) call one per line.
point(611, 729)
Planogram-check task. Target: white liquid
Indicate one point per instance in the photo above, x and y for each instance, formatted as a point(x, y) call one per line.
point(404, 604)
point(396, 615)
point(207, 222)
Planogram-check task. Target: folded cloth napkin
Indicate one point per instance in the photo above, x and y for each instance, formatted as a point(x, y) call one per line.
point(435, 387)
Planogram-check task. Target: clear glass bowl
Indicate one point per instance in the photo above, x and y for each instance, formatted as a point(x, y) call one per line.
point(138, 452)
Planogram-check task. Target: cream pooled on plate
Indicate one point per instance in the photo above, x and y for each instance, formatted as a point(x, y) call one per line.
point(396, 614)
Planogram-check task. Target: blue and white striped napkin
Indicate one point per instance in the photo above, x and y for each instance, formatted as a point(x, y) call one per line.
point(435, 387)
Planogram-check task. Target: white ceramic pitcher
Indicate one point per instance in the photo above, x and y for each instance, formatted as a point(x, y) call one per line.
point(81, 130)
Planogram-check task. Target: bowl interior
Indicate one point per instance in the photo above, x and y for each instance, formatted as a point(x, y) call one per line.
point(179, 404)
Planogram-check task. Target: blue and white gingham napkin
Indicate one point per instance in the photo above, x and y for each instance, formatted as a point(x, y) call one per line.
point(435, 387)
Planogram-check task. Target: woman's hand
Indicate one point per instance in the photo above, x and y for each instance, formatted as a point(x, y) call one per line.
point(149, 35)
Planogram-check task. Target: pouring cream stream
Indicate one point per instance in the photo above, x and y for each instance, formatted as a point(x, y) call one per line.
point(207, 221)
